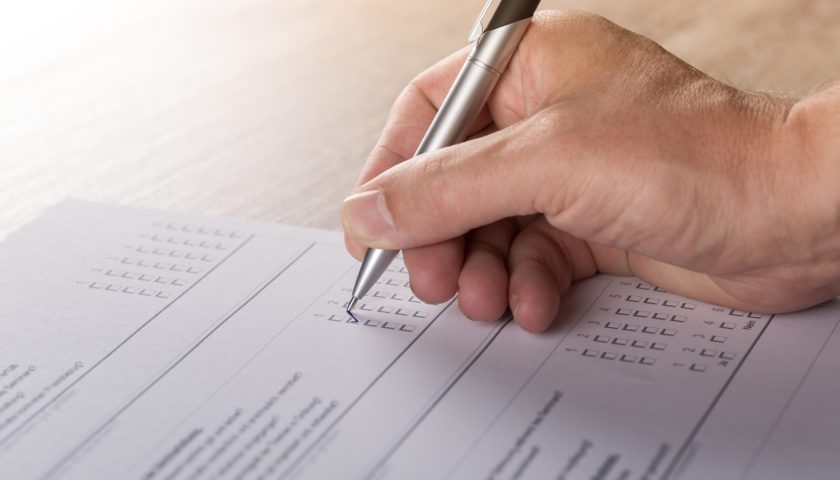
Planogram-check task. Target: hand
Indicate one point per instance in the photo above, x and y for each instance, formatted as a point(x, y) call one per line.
point(599, 151)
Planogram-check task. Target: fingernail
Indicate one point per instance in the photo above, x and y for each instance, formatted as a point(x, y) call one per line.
point(367, 217)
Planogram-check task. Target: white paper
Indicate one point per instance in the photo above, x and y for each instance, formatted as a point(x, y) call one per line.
point(149, 345)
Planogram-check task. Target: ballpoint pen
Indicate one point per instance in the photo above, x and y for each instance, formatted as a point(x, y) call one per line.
point(494, 46)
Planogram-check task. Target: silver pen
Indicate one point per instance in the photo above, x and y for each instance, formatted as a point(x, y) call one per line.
point(495, 43)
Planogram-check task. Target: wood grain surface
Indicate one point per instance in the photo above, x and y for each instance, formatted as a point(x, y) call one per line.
point(266, 110)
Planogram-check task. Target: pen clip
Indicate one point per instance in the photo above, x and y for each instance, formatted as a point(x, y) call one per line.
point(482, 20)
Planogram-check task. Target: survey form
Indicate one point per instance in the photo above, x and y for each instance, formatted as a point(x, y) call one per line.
point(144, 344)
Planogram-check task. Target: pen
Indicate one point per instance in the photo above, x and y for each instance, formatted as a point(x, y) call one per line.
point(495, 43)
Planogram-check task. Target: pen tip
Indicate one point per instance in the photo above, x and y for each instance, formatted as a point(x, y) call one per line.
point(352, 303)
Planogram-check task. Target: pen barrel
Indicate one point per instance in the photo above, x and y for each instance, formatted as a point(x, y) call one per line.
point(472, 87)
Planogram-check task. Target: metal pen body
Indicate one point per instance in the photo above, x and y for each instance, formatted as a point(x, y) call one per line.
point(454, 120)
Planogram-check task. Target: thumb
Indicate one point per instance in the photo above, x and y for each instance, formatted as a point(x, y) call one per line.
point(446, 193)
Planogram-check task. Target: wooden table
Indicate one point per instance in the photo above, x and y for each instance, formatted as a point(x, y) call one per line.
point(266, 109)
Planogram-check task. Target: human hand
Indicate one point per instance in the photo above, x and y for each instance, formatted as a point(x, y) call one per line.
point(600, 151)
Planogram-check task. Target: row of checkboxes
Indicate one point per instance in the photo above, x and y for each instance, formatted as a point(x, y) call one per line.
point(402, 327)
point(632, 327)
point(633, 343)
point(708, 352)
point(145, 277)
point(394, 282)
point(405, 312)
point(113, 287)
point(647, 286)
point(402, 297)
point(217, 232)
point(659, 301)
point(159, 265)
point(169, 252)
point(627, 357)
point(656, 315)
point(738, 313)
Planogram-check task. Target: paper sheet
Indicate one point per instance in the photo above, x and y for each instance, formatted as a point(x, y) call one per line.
point(150, 345)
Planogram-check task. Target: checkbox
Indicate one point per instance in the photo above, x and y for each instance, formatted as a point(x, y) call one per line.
point(727, 355)
point(689, 306)
point(385, 309)
point(602, 338)
point(131, 290)
point(390, 325)
point(609, 355)
point(620, 341)
point(652, 301)
point(660, 290)
point(670, 303)
point(421, 314)
point(698, 367)
point(613, 325)
point(380, 294)
point(178, 282)
point(679, 318)
point(394, 283)
point(669, 332)
point(163, 280)
point(652, 330)
point(718, 338)
point(590, 353)
point(147, 293)
point(736, 313)
point(727, 325)
point(414, 299)
point(658, 346)
point(366, 307)
point(399, 297)
point(631, 327)
point(634, 298)
point(754, 315)
point(408, 328)
point(629, 358)
point(647, 361)
point(640, 343)
point(641, 314)
point(643, 286)
point(624, 311)
point(373, 323)
point(660, 316)
point(404, 312)
point(708, 353)
point(336, 318)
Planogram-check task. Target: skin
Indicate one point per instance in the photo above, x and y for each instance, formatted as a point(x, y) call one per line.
point(599, 151)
